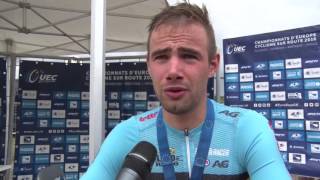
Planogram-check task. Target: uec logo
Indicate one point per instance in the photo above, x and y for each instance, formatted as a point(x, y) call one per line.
point(40, 77)
point(233, 48)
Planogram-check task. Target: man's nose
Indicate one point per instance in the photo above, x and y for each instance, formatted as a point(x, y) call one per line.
point(175, 69)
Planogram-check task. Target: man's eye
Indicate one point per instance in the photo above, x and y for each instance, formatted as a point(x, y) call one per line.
point(188, 56)
point(161, 57)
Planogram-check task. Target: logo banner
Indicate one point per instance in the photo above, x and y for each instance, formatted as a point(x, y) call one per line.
point(278, 75)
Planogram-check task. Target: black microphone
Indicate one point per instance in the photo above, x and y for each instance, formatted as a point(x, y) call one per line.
point(138, 162)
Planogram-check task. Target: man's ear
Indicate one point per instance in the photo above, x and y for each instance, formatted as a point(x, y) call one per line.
point(214, 65)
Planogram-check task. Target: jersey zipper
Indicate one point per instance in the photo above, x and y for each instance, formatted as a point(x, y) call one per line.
point(186, 135)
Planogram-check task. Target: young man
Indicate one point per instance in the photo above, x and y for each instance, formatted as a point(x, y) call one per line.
point(206, 140)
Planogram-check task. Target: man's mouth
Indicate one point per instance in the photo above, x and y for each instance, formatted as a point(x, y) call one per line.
point(175, 92)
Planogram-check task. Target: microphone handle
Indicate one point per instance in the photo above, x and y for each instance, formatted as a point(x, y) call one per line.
point(128, 174)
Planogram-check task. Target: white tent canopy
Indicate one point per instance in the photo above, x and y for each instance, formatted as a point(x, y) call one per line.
point(54, 28)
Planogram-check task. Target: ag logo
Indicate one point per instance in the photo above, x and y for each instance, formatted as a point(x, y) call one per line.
point(221, 164)
point(231, 114)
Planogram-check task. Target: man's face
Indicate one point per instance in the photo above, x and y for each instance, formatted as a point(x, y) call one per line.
point(179, 67)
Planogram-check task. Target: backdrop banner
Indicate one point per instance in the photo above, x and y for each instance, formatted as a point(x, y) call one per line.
point(129, 91)
point(278, 75)
point(53, 122)
point(3, 108)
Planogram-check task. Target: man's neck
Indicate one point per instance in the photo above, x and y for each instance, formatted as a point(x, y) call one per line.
point(187, 120)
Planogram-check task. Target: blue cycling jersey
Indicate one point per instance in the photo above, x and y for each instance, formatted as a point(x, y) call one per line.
point(242, 145)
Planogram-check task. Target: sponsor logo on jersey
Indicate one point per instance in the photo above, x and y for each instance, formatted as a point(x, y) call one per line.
point(293, 63)
point(230, 114)
point(231, 68)
point(220, 164)
point(148, 117)
point(219, 152)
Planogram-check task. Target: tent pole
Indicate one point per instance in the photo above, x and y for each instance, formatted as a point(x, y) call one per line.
point(10, 101)
point(97, 77)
